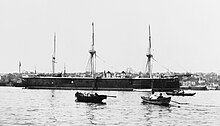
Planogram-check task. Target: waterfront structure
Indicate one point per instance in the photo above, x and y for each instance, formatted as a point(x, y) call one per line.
point(99, 83)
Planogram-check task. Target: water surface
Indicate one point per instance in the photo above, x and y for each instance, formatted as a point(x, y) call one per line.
point(58, 107)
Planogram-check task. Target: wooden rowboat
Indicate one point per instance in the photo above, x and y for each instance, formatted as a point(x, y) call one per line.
point(93, 98)
point(159, 101)
point(180, 94)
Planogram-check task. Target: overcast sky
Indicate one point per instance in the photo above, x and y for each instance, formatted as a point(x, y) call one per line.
point(185, 34)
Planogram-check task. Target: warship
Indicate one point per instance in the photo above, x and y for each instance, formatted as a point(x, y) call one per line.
point(94, 82)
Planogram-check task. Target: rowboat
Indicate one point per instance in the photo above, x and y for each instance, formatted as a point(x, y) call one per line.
point(180, 94)
point(93, 98)
point(158, 101)
point(198, 87)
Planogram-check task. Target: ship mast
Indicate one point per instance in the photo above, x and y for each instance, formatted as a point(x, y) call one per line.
point(19, 67)
point(149, 56)
point(92, 53)
point(53, 56)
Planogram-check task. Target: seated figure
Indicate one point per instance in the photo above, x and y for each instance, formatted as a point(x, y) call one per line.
point(161, 96)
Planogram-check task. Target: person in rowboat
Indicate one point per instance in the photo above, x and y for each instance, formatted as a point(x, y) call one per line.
point(161, 96)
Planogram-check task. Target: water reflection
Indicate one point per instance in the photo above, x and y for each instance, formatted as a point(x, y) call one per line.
point(52, 108)
point(90, 115)
point(92, 112)
point(155, 112)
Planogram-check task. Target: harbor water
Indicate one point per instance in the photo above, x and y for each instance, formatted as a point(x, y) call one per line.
point(58, 107)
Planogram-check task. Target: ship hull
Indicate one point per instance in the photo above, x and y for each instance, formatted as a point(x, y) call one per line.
point(198, 88)
point(111, 84)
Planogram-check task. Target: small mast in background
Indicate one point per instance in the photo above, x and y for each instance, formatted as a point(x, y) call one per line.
point(19, 67)
point(53, 56)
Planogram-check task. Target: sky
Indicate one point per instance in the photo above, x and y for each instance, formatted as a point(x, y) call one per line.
point(185, 34)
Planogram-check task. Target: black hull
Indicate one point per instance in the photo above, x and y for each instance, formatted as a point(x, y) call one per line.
point(90, 98)
point(161, 101)
point(111, 84)
point(181, 94)
point(198, 88)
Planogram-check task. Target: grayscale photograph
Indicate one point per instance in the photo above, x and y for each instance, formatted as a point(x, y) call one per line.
point(110, 63)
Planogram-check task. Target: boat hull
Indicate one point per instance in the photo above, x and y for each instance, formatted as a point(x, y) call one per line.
point(218, 88)
point(161, 101)
point(111, 84)
point(198, 88)
point(90, 98)
point(180, 94)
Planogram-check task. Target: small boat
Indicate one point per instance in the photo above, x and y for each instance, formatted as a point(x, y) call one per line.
point(159, 101)
point(93, 98)
point(218, 88)
point(211, 87)
point(180, 93)
point(199, 87)
point(142, 90)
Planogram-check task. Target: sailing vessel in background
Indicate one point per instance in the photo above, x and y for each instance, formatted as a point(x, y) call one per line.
point(101, 83)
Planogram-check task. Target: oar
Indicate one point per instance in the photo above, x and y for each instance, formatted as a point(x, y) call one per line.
point(178, 102)
point(111, 96)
